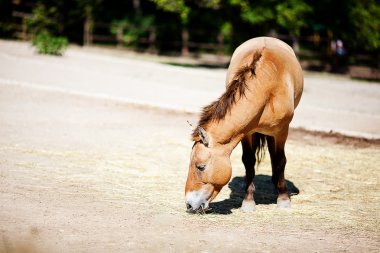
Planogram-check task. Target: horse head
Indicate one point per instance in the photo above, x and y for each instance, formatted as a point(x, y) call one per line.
point(209, 170)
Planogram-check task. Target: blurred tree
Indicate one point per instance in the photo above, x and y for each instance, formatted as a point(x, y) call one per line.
point(256, 13)
point(291, 14)
point(225, 22)
point(131, 30)
point(357, 22)
point(364, 28)
point(45, 19)
point(269, 14)
point(87, 8)
point(137, 7)
point(183, 9)
point(179, 7)
point(5, 18)
point(176, 6)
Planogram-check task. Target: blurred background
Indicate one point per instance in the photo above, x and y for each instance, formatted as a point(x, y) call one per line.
point(341, 36)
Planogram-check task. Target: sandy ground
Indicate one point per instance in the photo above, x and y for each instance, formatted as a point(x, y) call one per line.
point(81, 174)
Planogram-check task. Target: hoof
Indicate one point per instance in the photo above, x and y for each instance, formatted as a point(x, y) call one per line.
point(283, 203)
point(248, 206)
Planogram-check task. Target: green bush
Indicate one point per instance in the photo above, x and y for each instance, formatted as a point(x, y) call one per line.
point(48, 44)
point(134, 28)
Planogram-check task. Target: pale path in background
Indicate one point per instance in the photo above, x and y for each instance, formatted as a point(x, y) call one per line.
point(328, 102)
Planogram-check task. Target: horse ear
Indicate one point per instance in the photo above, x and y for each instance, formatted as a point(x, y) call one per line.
point(204, 136)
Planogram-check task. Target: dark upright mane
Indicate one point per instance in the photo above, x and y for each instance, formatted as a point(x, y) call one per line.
point(218, 109)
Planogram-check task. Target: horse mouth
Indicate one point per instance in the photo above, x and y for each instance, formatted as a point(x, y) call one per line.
point(202, 209)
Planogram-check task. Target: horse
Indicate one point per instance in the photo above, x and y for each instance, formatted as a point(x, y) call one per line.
point(264, 85)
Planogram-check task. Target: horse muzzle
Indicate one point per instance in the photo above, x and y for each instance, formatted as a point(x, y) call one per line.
point(197, 202)
point(202, 209)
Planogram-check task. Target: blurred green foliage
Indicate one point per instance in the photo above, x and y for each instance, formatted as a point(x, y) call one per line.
point(292, 15)
point(364, 17)
point(176, 6)
point(356, 22)
point(133, 28)
point(44, 19)
point(48, 44)
point(43, 24)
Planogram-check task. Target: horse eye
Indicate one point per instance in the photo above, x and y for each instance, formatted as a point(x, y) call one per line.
point(201, 167)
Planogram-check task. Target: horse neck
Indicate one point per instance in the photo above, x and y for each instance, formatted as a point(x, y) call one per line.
point(225, 135)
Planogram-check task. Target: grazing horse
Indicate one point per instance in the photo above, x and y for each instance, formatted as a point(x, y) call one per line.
point(264, 85)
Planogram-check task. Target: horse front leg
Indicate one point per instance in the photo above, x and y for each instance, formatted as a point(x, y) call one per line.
point(278, 159)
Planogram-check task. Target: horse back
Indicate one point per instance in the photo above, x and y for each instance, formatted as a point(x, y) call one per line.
point(277, 86)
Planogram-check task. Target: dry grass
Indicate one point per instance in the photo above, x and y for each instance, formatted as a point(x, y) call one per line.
point(339, 186)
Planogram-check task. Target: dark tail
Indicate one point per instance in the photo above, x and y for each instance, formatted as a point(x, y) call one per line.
point(261, 143)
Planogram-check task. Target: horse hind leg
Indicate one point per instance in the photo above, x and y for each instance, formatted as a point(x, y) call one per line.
point(276, 146)
point(250, 144)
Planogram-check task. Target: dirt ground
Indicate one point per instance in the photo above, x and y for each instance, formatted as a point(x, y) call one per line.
point(94, 175)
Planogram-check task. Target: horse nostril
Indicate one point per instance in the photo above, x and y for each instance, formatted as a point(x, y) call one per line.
point(188, 207)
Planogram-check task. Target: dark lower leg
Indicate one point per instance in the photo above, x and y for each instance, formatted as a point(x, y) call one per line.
point(279, 177)
point(249, 161)
point(249, 186)
point(249, 192)
point(278, 160)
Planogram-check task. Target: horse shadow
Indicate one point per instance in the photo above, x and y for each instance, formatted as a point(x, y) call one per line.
point(265, 193)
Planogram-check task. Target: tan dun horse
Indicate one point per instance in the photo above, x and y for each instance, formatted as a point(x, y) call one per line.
point(264, 86)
